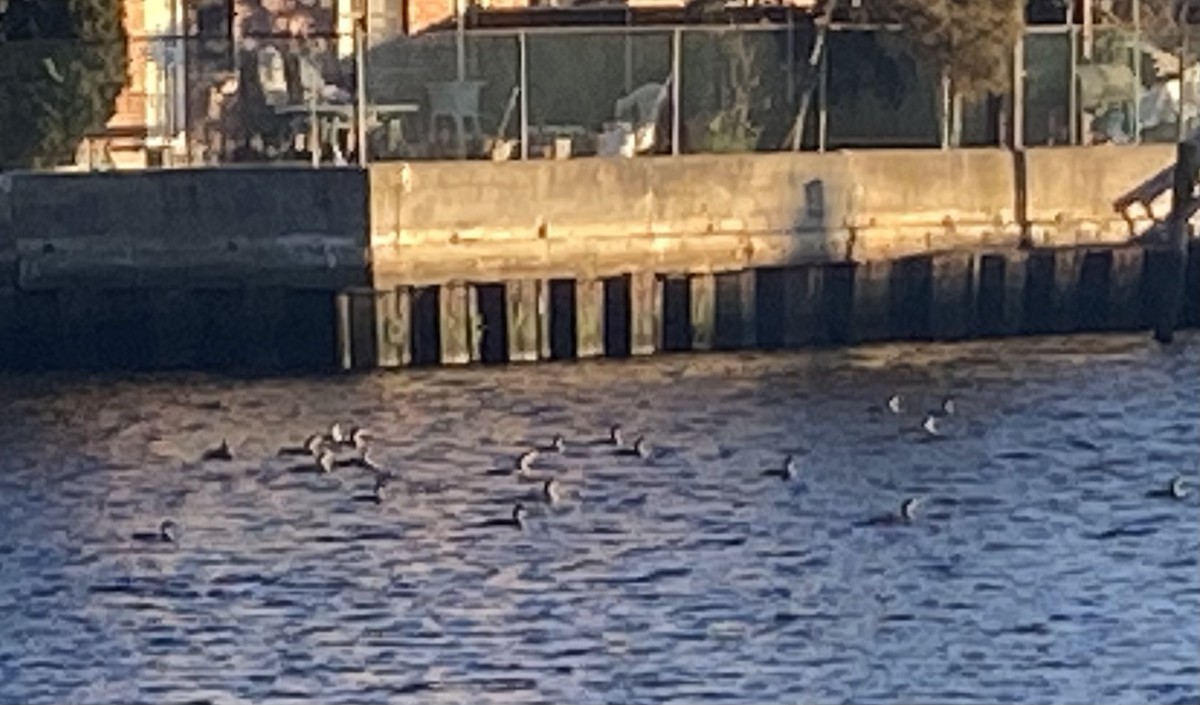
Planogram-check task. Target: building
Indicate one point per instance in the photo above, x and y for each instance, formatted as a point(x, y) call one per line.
point(148, 127)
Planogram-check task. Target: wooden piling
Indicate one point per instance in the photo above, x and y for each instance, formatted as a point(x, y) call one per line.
point(1187, 161)
point(1014, 293)
point(803, 297)
point(589, 318)
point(735, 327)
point(344, 333)
point(871, 304)
point(645, 310)
point(455, 321)
point(1064, 295)
point(1124, 288)
point(393, 332)
point(524, 324)
point(702, 311)
point(953, 295)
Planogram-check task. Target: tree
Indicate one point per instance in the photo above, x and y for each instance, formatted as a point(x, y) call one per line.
point(62, 64)
point(970, 42)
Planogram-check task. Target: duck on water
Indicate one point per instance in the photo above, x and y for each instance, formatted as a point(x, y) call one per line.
point(515, 521)
point(221, 452)
point(786, 472)
point(167, 533)
point(1175, 489)
point(907, 514)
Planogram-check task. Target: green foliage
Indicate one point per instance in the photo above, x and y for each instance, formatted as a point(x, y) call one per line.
point(62, 64)
point(971, 40)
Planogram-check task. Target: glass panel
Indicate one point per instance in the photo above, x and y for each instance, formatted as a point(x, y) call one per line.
point(598, 92)
point(1047, 88)
point(879, 95)
point(735, 90)
point(1108, 91)
point(1162, 91)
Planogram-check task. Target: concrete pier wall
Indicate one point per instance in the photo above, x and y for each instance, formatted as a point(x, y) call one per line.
point(455, 263)
point(944, 296)
point(178, 268)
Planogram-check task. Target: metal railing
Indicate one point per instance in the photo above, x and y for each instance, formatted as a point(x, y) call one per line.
point(579, 91)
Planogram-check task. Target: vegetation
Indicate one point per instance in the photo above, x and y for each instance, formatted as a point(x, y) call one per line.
point(62, 64)
point(970, 42)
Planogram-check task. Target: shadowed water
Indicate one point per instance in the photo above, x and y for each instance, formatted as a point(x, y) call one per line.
point(1037, 569)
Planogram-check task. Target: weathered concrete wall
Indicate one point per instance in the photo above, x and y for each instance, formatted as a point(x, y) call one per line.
point(908, 202)
point(598, 217)
point(591, 217)
point(595, 217)
point(1087, 195)
point(207, 227)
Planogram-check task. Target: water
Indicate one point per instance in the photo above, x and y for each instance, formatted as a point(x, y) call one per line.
point(1037, 569)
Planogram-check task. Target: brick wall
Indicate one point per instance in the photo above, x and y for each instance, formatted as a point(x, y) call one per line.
point(131, 101)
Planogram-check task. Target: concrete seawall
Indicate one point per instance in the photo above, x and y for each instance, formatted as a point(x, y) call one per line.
point(454, 262)
point(177, 268)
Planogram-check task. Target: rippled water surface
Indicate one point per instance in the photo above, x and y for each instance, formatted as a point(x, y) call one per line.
point(1041, 566)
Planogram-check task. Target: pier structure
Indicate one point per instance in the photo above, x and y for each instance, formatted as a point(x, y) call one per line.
point(412, 263)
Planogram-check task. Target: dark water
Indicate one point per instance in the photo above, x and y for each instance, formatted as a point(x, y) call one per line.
point(1037, 569)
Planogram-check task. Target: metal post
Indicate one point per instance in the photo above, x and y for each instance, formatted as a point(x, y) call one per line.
point(628, 53)
point(179, 90)
point(1073, 89)
point(1089, 37)
point(523, 62)
point(314, 131)
point(791, 59)
point(1018, 104)
point(460, 38)
point(823, 96)
point(1137, 71)
point(1181, 126)
point(676, 64)
point(946, 105)
point(360, 82)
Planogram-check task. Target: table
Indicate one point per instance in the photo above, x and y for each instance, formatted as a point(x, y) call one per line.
point(332, 118)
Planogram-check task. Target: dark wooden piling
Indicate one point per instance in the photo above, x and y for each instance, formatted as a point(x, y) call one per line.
point(1170, 303)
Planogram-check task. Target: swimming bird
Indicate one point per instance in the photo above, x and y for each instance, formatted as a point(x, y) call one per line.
point(895, 404)
point(558, 444)
point(948, 405)
point(309, 447)
point(550, 491)
point(641, 449)
point(908, 508)
point(221, 452)
point(165, 534)
point(787, 472)
point(525, 461)
point(1175, 489)
point(380, 491)
point(359, 437)
point(614, 435)
point(930, 425)
point(364, 460)
point(336, 434)
point(325, 461)
point(518, 516)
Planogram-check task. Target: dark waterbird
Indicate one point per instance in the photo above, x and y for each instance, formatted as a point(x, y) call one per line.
point(166, 533)
point(1175, 489)
point(311, 446)
point(221, 452)
point(639, 449)
point(786, 472)
point(907, 514)
point(515, 521)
